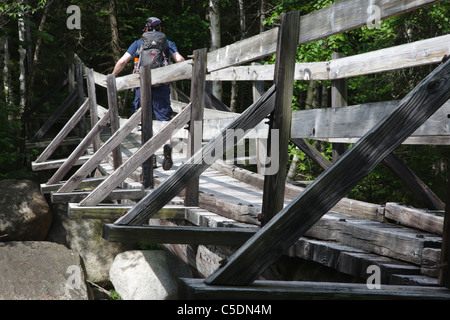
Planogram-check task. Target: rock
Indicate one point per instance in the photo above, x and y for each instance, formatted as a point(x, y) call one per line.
point(147, 275)
point(24, 212)
point(85, 237)
point(40, 271)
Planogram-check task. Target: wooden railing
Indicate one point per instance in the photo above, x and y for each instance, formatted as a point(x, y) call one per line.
point(388, 125)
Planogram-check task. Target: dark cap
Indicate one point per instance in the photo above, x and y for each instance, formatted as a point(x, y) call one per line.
point(152, 22)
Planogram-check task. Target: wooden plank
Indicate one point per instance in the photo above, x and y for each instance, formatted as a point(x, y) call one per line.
point(77, 196)
point(414, 183)
point(114, 116)
point(330, 187)
point(133, 162)
point(93, 105)
point(55, 164)
point(380, 238)
point(178, 234)
point(197, 289)
point(356, 121)
point(111, 211)
point(280, 120)
point(64, 132)
point(197, 164)
point(415, 218)
point(147, 123)
point(87, 184)
point(101, 153)
point(198, 85)
point(55, 116)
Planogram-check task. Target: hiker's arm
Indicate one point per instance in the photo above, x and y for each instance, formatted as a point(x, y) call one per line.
point(177, 57)
point(122, 63)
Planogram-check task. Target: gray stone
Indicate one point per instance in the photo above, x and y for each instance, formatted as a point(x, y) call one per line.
point(147, 275)
point(85, 237)
point(40, 271)
point(24, 212)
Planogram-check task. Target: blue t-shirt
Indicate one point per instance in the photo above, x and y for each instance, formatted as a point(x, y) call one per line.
point(171, 48)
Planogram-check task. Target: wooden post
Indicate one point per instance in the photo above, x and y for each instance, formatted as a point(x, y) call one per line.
point(114, 116)
point(267, 245)
point(257, 91)
point(273, 198)
point(147, 123)
point(338, 99)
point(81, 96)
point(93, 105)
point(196, 124)
point(444, 270)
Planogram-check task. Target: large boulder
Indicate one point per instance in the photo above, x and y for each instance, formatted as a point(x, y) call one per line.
point(147, 275)
point(84, 236)
point(24, 212)
point(38, 270)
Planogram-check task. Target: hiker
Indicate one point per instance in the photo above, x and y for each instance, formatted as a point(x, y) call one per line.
point(153, 48)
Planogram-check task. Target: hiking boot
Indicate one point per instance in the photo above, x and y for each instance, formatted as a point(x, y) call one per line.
point(167, 162)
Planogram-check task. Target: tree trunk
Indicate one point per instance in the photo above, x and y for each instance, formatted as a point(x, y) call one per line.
point(22, 53)
point(115, 41)
point(5, 76)
point(214, 27)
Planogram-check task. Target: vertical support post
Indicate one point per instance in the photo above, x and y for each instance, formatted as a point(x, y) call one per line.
point(81, 97)
point(198, 85)
point(444, 270)
point(114, 116)
point(93, 105)
point(257, 91)
point(338, 99)
point(147, 122)
point(274, 185)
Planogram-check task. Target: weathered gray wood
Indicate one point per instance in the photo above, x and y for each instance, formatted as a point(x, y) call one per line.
point(77, 196)
point(55, 116)
point(197, 289)
point(111, 211)
point(197, 164)
point(414, 183)
point(101, 153)
point(179, 234)
point(64, 132)
point(146, 122)
point(404, 56)
point(114, 116)
point(93, 105)
point(55, 164)
point(198, 84)
point(80, 149)
point(415, 218)
point(356, 121)
point(301, 214)
point(133, 162)
point(273, 198)
point(87, 184)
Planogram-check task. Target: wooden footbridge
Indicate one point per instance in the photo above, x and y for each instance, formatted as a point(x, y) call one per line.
point(233, 226)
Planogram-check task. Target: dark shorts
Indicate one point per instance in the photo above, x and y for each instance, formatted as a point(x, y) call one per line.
point(161, 102)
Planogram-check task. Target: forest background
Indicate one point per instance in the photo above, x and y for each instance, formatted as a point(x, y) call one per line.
point(36, 48)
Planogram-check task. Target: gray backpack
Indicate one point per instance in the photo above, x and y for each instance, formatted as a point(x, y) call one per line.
point(151, 52)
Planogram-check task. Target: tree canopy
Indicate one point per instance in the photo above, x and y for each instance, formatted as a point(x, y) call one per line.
point(35, 41)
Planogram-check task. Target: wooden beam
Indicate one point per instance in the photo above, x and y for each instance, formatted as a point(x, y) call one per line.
point(64, 132)
point(273, 198)
point(330, 187)
point(55, 116)
point(147, 123)
point(111, 211)
point(87, 184)
point(312, 152)
point(93, 105)
point(178, 234)
point(198, 84)
point(101, 153)
point(197, 289)
point(55, 164)
point(133, 162)
point(114, 116)
point(197, 164)
point(444, 261)
point(77, 196)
